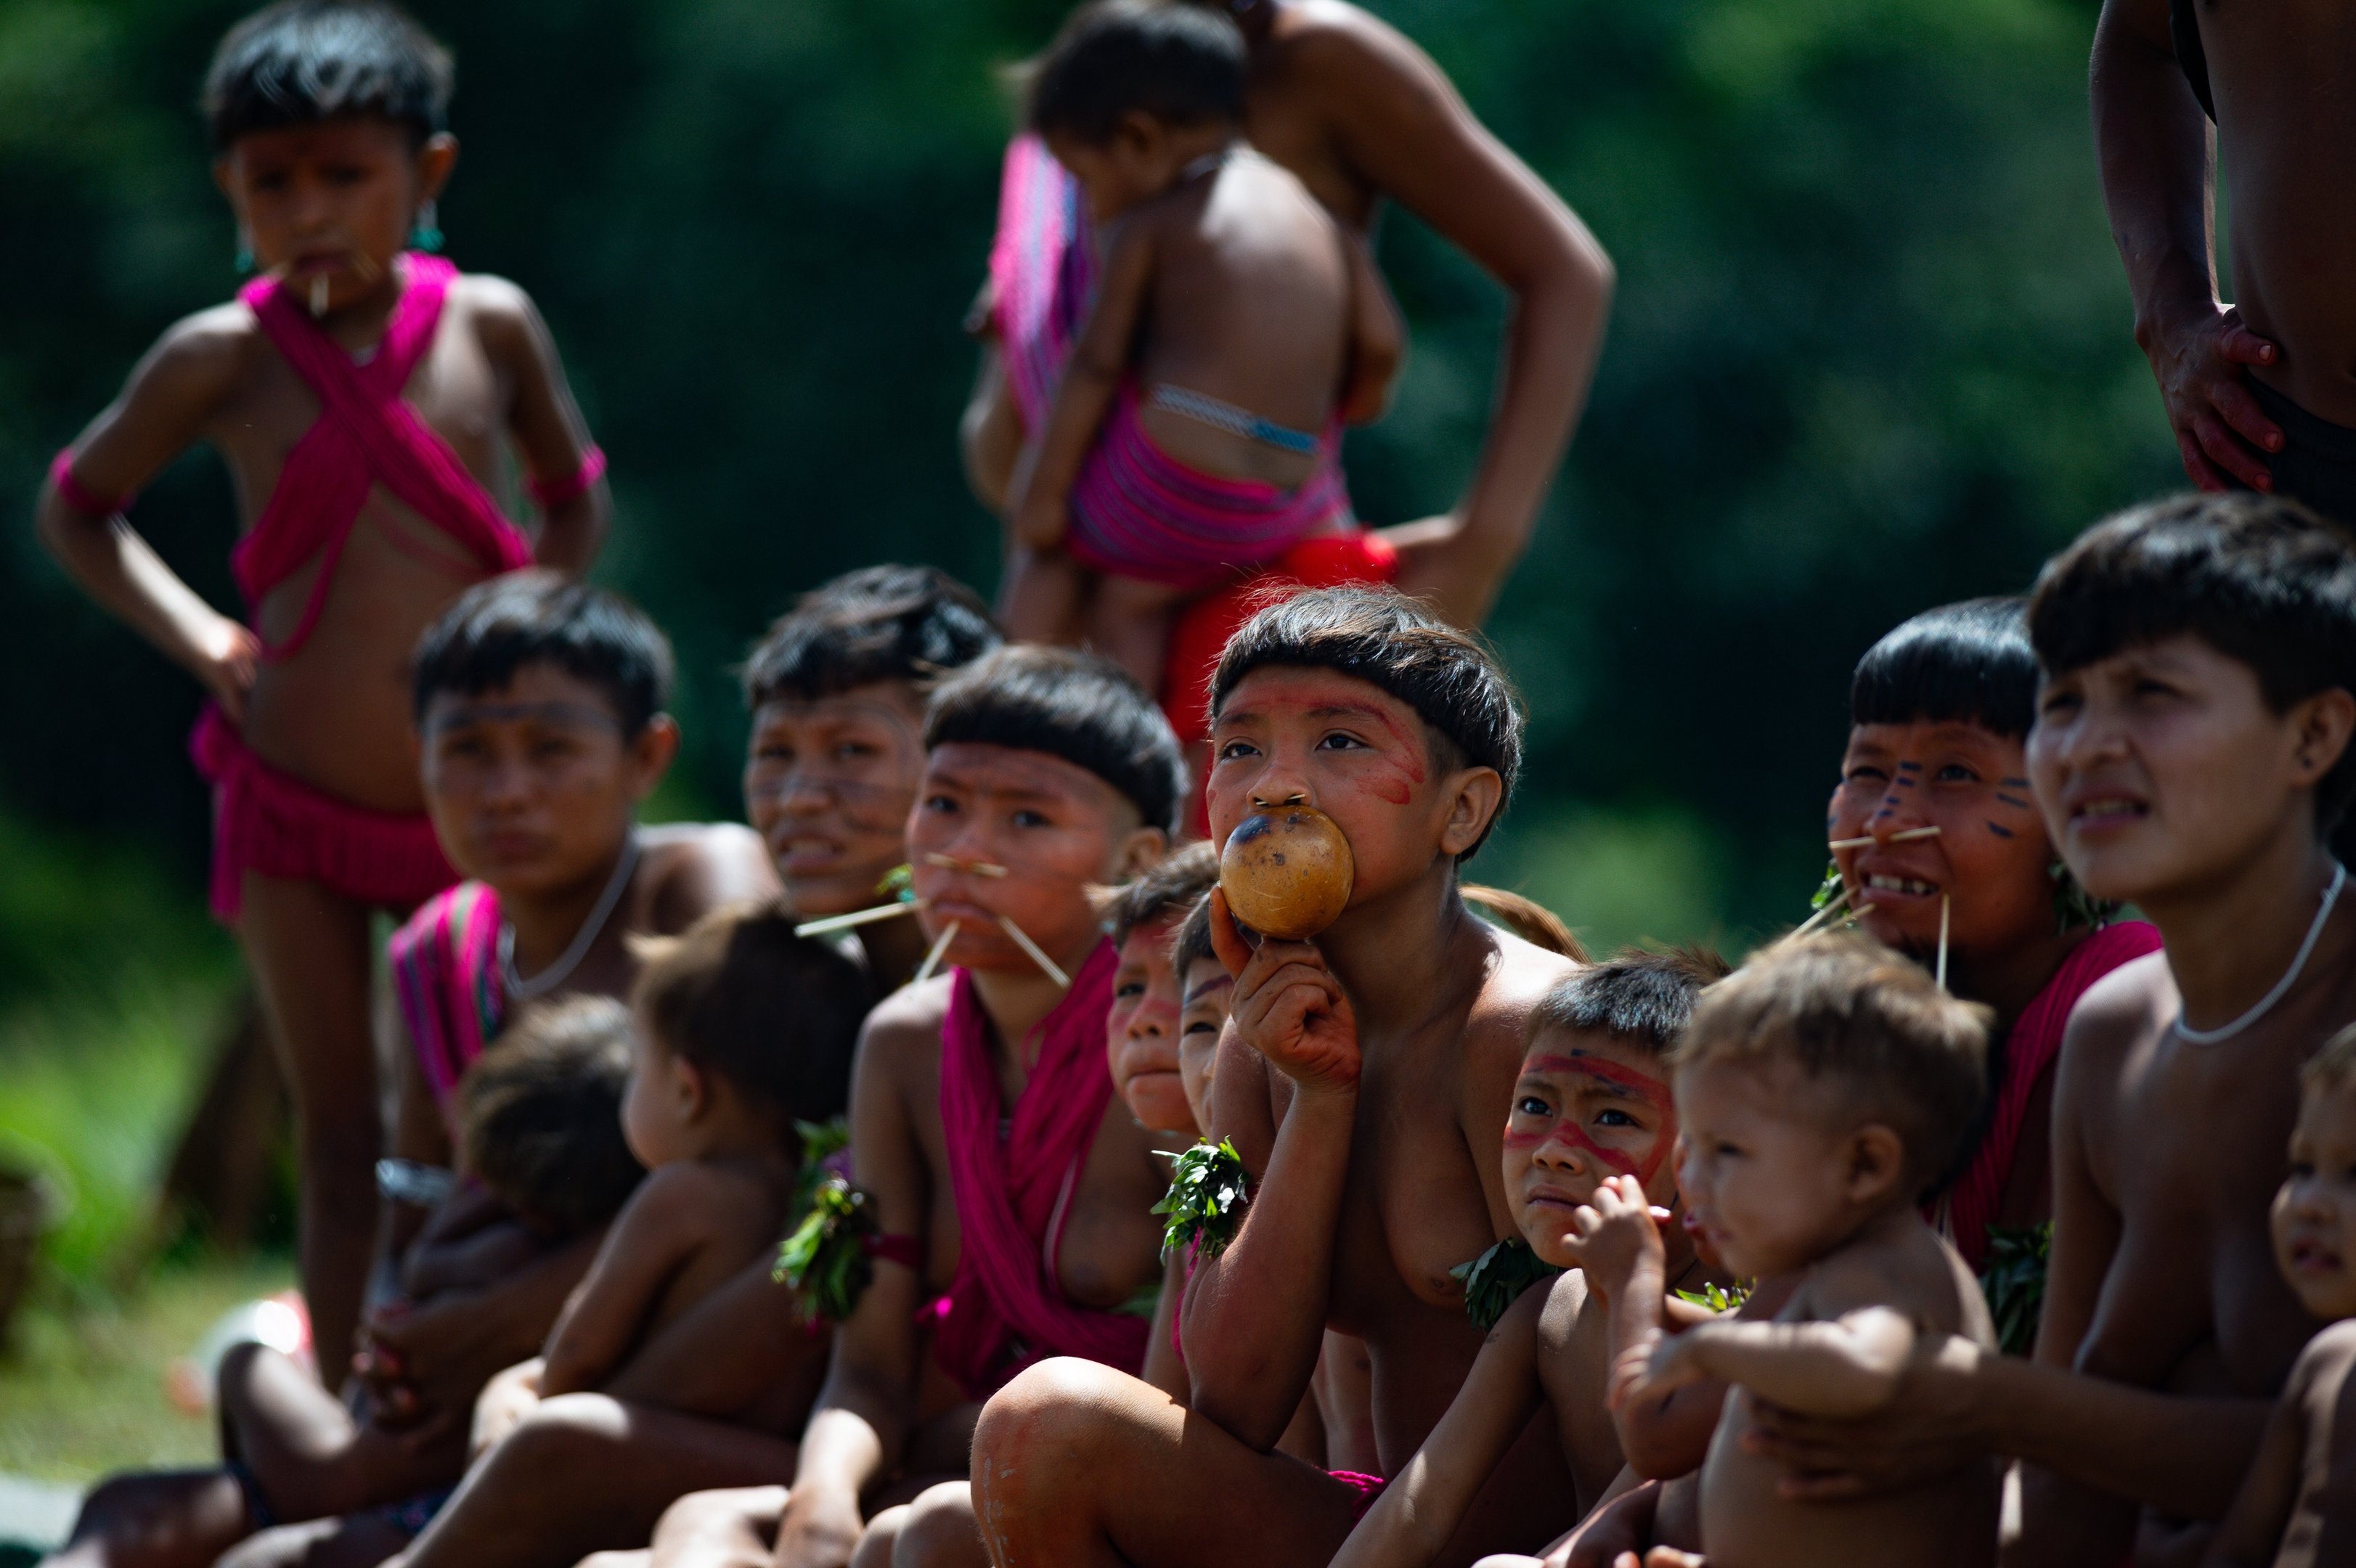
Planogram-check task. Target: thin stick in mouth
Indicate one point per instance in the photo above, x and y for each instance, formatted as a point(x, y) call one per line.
point(932, 960)
point(318, 295)
point(952, 863)
point(1944, 903)
point(1054, 970)
point(1911, 834)
point(857, 917)
point(1824, 914)
point(1867, 842)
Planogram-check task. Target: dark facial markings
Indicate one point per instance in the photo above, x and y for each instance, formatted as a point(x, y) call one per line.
point(2013, 800)
point(2001, 831)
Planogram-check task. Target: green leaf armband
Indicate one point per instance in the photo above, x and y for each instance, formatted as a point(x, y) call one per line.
point(2013, 1280)
point(826, 1256)
point(1208, 1189)
point(1495, 1280)
point(1717, 1298)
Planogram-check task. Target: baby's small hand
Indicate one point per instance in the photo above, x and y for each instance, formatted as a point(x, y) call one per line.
point(1672, 1365)
point(1615, 1233)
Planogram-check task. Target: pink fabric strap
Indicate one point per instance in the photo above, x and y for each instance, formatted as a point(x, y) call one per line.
point(366, 435)
point(1006, 1310)
point(553, 493)
point(80, 496)
point(2029, 1047)
point(445, 976)
point(1042, 273)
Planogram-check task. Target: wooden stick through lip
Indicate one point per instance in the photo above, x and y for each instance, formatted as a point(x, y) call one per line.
point(952, 863)
point(1868, 840)
point(933, 959)
point(1944, 902)
point(1038, 956)
point(1824, 914)
point(826, 923)
point(1911, 834)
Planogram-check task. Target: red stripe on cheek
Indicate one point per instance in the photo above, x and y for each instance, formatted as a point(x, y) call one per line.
point(1523, 1140)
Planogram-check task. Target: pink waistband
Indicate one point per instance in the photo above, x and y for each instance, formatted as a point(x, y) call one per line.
point(268, 821)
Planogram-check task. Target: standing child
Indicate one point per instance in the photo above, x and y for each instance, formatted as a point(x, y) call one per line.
point(1236, 327)
point(356, 387)
point(1820, 1091)
point(2296, 1507)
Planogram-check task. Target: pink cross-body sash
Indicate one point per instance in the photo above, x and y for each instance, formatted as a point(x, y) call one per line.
point(367, 434)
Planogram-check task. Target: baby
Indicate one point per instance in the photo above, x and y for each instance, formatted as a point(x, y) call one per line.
point(1235, 326)
point(1820, 1090)
point(2289, 1511)
point(1591, 1106)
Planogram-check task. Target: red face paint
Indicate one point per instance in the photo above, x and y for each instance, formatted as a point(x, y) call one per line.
point(1566, 1129)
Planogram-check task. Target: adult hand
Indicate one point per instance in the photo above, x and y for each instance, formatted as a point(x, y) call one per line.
point(1614, 1233)
point(1615, 1533)
point(1288, 1006)
point(435, 1356)
point(1928, 1429)
point(226, 658)
point(2200, 359)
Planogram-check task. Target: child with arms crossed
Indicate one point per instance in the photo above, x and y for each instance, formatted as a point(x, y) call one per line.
point(357, 390)
point(1236, 326)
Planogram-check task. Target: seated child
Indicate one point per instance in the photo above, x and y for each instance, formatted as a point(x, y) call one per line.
point(540, 1121)
point(1592, 1104)
point(1945, 851)
point(1236, 325)
point(360, 390)
point(2296, 1506)
point(837, 690)
point(1142, 1030)
point(1205, 986)
point(1820, 1091)
point(743, 1030)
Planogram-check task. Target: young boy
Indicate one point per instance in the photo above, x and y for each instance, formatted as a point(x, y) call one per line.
point(1235, 326)
point(1820, 1092)
point(1592, 1102)
point(357, 389)
point(2191, 755)
point(1364, 1087)
point(837, 692)
point(2296, 1507)
point(1204, 987)
point(1944, 851)
point(1143, 1029)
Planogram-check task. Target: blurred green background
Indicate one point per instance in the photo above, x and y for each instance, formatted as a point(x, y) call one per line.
point(1871, 352)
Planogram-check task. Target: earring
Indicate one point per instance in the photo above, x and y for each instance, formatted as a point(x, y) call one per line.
point(244, 260)
point(425, 234)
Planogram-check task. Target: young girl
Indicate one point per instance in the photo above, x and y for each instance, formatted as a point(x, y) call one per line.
point(356, 387)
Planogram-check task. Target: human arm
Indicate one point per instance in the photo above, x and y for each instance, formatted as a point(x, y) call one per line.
point(859, 1423)
point(169, 401)
point(658, 1230)
point(2253, 1529)
point(501, 1408)
point(2151, 141)
point(419, 1134)
point(1846, 1366)
point(546, 423)
point(1377, 338)
point(1255, 1315)
point(1411, 1522)
point(1165, 1368)
point(1043, 481)
point(1404, 129)
point(1620, 1253)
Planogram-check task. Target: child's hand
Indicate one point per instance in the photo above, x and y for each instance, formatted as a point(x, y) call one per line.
point(1615, 1234)
point(227, 655)
point(1672, 1365)
point(1288, 1006)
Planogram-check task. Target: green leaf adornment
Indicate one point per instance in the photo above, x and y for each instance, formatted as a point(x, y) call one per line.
point(1495, 1280)
point(899, 882)
point(1719, 1299)
point(824, 1257)
point(1831, 886)
point(2014, 1283)
point(1208, 1189)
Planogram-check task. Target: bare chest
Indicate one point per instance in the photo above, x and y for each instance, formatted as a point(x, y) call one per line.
point(1416, 1204)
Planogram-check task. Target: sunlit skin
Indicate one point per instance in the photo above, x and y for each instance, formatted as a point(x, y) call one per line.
point(1586, 1107)
point(828, 782)
point(1201, 1021)
point(334, 198)
point(662, 1101)
point(1141, 1031)
point(2315, 1212)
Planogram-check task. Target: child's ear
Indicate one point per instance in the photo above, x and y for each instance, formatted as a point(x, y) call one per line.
point(1139, 851)
point(1474, 796)
point(2323, 724)
point(1137, 132)
point(434, 161)
point(1877, 1161)
point(691, 1091)
point(651, 753)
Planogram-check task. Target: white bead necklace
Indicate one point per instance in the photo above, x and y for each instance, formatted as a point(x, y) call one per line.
point(2282, 986)
point(522, 990)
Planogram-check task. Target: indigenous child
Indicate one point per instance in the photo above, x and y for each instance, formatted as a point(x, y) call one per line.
point(2295, 1505)
point(356, 389)
point(837, 693)
point(1142, 1030)
point(1205, 986)
point(1592, 1104)
point(541, 1120)
point(1235, 328)
point(743, 1030)
point(2191, 755)
point(1941, 847)
point(1012, 1189)
point(1367, 1079)
point(1820, 1091)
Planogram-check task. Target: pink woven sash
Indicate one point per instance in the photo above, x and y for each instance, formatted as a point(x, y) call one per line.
point(1004, 1308)
point(366, 435)
point(1042, 273)
point(2029, 1047)
point(445, 976)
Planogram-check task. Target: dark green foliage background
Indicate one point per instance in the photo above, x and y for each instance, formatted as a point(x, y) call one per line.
point(1871, 352)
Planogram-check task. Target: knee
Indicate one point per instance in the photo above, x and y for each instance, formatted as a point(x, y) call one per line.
point(875, 1542)
point(561, 1438)
point(1049, 1412)
point(734, 1526)
point(939, 1531)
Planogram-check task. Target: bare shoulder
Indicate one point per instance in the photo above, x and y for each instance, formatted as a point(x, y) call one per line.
point(207, 356)
point(1566, 1327)
point(498, 309)
point(1912, 1272)
point(2322, 1367)
point(904, 1029)
point(1520, 974)
point(1355, 49)
point(685, 1197)
point(2122, 1011)
point(694, 868)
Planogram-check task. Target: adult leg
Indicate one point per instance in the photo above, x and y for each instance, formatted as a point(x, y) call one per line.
point(307, 1455)
point(733, 1528)
point(309, 949)
point(157, 1519)
point(1041, 597)
point(585, 1473)
point(1083, 1466)
point(1128, 623)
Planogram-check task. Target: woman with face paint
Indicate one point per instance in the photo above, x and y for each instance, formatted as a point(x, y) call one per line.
point(1942, 855)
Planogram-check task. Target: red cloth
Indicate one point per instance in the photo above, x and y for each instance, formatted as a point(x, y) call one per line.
point(1004, 1311)
point(2029, 1047)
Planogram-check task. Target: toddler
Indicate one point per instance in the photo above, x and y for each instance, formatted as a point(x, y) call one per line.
point(1820, 1090)
point(2295, 1507)
point(1235, 326)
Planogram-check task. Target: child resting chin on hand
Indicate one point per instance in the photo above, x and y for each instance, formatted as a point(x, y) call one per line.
point(2289, 1511)
point(1819, 1091)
